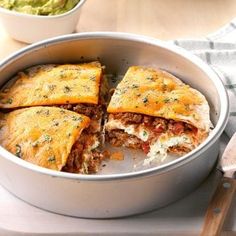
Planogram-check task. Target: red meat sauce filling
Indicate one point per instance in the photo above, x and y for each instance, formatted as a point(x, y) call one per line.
point(75, 159)
point(156, 125)
point(94, 157)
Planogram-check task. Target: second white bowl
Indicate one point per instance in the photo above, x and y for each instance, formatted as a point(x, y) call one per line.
point(32, 28)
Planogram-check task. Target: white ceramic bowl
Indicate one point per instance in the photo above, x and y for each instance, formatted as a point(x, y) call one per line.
point(32, 28)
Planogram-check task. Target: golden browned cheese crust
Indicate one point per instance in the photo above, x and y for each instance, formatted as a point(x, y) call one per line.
point(54, 84)
point(157, 93)
point(41, 135)
point(154, 111)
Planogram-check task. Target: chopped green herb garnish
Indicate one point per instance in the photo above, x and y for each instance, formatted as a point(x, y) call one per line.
point(93, 78)
point(144, 133)
point(66, 89)
point(135, 86)
point(62, 75)
point(166, 100)
point(55, 123)
point(74, 118)
point(145, 100)
point(187, 107)
point(86, 87)
point(18, 150)
point(47, 112)
point(52, 159)
point(47, 138)
point(38, 112)
point(8, 101)
point(52, 87)
point(164, 86)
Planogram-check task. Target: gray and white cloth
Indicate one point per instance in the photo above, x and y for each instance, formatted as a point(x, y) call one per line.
point(219, 51)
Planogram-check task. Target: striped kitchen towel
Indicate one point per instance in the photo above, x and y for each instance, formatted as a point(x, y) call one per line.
point(219, 51)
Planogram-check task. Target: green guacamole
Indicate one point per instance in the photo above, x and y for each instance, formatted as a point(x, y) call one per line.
point(39, 7)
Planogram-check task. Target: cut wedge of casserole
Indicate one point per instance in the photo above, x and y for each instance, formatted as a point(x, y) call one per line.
point(49, 137)
point(154, 111)
point(77, 87)
point(54, 84)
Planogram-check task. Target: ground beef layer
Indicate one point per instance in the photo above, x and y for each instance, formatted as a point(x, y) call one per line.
point(84, 159)
point(155, 125)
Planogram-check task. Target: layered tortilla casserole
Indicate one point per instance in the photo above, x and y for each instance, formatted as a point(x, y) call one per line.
point(154, 111)
point(79, 88)
point(54, 115)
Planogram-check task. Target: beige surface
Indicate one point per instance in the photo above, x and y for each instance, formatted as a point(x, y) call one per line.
point(163, 19)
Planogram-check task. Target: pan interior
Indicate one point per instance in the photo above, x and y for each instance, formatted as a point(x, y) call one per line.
point(117, 55)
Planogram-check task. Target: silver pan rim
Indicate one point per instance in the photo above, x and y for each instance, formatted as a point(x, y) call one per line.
point(196, 153)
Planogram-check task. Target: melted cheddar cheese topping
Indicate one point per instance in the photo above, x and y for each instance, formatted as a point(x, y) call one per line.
point(54, 84)
point(41, 135)
point(157, 93)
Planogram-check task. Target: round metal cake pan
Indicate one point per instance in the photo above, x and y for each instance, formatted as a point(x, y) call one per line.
point(119, 194)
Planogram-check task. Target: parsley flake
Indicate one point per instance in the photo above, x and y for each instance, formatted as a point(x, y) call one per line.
point(92, 78)
point(51, 87)
point(145, 100)
point(47, 138)
point(18, 150)
point(74, 118)
point(166, 100)
point(8, 101)
point(135, 86)
point(66, 89)
point(52, 159)
point(144, 133)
